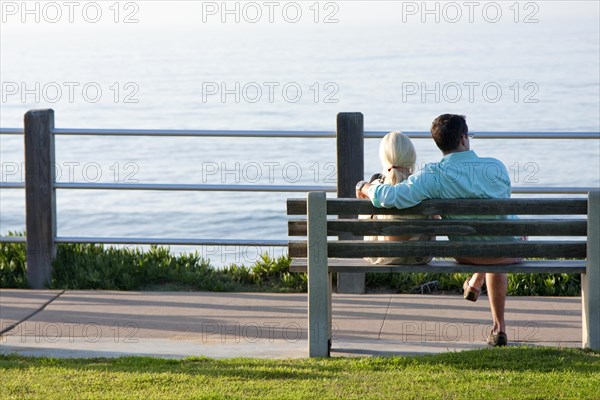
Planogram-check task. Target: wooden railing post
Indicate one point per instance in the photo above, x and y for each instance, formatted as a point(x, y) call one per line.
point(350, 170)
point(40, 199)
point(590, 281)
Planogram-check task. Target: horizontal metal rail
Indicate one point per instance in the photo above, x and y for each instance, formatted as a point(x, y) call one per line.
point(12, 131)
point(551, 190)
point(279, 188)
point(500, 135)
point(174, 241)
point(13, 239)
point(262, 188)
point(295, 134)
point(195, 133)
point(182, 133)
point(12, 185)
point(197, 188)
point(156, 241)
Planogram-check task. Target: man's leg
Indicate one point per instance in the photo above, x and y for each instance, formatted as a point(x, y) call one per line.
point(497, 285)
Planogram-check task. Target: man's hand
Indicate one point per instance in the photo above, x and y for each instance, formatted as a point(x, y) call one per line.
point(362, 193)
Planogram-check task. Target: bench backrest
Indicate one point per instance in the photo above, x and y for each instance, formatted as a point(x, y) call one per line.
point(572, 223)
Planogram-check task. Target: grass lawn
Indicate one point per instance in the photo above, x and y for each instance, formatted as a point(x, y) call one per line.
point(507, 373)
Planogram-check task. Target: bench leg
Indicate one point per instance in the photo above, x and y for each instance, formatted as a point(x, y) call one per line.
point(329, 313)
point(590, 281)
point(319, 317)
point(319, 278)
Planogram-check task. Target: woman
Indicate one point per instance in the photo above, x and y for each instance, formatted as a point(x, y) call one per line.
point(398, 156)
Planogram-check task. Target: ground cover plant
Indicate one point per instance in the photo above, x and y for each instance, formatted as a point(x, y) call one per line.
point(92, 266)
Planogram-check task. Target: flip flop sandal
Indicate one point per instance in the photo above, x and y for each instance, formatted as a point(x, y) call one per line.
point(497, 339)
point(470, 293)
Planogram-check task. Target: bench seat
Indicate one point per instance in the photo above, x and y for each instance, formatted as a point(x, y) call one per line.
point(444, 266)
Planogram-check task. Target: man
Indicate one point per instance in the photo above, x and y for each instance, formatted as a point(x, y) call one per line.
point(460, 174)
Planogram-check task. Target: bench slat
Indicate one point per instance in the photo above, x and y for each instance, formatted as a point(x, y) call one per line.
point(360, 265)
point(452, 207)
point(527, 227)
point(526, 249)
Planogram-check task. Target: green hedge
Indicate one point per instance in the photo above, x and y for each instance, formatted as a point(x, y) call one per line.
point(91, 266)
point(13, 272)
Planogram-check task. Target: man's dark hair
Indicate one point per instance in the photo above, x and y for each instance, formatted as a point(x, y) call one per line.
point(447, 130)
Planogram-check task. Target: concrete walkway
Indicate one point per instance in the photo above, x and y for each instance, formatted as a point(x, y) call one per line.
point(181, 324)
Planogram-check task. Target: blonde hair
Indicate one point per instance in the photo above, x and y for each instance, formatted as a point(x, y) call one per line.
point(398, 156)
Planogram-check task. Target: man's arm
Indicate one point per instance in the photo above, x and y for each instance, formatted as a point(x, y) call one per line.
point(408, 193)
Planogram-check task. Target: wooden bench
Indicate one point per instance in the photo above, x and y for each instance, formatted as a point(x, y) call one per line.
point(321, 256)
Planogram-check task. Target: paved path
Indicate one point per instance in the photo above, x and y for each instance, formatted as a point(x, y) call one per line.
point(181, 324)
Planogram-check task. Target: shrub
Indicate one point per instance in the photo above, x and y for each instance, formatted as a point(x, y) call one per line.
point(95, 266)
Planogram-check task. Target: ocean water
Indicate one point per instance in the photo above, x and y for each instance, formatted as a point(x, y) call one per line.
point(181, 67)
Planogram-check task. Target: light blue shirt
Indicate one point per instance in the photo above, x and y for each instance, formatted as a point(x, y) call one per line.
point(461, 175)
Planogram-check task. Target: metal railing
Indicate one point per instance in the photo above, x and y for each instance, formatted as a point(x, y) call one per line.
point(295, 134)
point(262, 188)
point(278, 134)
point(350, 134)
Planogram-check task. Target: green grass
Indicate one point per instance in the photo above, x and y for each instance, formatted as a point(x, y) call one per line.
point(90, 266)
point(508, 373)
